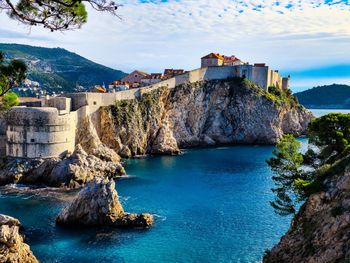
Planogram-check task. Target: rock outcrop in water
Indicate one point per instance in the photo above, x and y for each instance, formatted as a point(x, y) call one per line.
point(73, 171)
point(200, 114)
point(90, 159)
point(97, 204)
point(320, 232)
point(12, 247)
point(162, 121)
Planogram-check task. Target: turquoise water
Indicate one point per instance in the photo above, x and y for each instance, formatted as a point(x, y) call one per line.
point(211, 205)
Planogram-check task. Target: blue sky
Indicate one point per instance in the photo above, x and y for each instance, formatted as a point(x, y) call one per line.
point(308, 39)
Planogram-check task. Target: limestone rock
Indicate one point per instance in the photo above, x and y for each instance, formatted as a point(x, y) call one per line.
point(91, 158)
point(201, 114)
point(12, 247)
point(320, 232)
point(165, 143)
point(97, 204)
point(88, 139)
point(72, 171)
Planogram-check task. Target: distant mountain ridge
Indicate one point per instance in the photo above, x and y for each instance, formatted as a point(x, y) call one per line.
point(58, 69)
point(335, 96)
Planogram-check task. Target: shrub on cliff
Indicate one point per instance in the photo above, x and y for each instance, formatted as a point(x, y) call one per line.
point(9, 100)
point(332, 134)
point(298, 175)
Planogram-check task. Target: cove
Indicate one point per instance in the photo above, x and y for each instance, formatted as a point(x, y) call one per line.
point(211, 205)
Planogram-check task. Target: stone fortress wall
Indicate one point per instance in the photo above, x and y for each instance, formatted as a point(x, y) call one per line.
point(39, 132)
point(3, 138)
point(49, 131)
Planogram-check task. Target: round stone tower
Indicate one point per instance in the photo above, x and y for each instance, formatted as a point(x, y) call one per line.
point(39, 133)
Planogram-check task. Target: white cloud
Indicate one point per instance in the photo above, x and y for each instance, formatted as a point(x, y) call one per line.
point(152, 36)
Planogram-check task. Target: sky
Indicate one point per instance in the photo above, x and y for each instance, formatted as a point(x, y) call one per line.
point(308, 39)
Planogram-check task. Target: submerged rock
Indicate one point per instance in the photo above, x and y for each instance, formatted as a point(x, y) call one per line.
point(97, 204)
point(12, 247)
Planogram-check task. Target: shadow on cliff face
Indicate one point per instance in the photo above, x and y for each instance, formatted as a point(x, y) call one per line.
point(202, 114)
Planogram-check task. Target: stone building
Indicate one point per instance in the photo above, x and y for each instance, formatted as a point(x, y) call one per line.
point(135, 77)
point(232, 61)
point(49, 129)
point(259, 73)
point(152, 79)
point(212, 60)
point(216, 60)
point(118, 85)
point(170, 73)
point(39, 132)
point(285, 82)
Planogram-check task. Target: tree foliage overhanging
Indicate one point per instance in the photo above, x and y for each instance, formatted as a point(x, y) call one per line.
point(55, 14)
point(11, 74)
point(9, 100)
point(299, 175)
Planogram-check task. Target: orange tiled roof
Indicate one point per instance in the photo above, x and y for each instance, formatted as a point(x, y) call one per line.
point(213, 55)
point(173, 71)
point(154, 76)
point(231, 59)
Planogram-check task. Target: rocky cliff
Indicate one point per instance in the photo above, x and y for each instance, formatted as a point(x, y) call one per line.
point(200, 114)
point(90, 159)
point(12, 247)
point(73, 171)
point(320, 232)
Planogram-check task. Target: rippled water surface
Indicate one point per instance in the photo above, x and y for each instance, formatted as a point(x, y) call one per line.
point(211, 205)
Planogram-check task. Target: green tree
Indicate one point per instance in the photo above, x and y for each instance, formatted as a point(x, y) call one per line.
point(11, 74)
point(332, 134)
point(288, 177)
point(9, 100)
point(55, 14)
point(293, 183)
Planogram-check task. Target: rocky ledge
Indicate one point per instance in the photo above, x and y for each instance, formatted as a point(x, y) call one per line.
point(202, 114)
point(73, 171)
point(97, 204)
point(12, 247)
point(320, 232)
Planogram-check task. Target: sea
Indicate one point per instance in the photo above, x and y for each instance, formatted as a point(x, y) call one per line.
point(210, 205)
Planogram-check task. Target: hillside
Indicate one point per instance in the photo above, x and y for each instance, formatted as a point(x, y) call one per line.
point(57, 69)
point(334, 96)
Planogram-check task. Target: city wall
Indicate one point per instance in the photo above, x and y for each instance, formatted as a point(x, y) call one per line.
point(50, 131)
point(39, 132)
point(3, 137)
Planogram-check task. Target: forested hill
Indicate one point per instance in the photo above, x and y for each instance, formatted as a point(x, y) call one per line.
point(334, 96)
point(59, 69)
